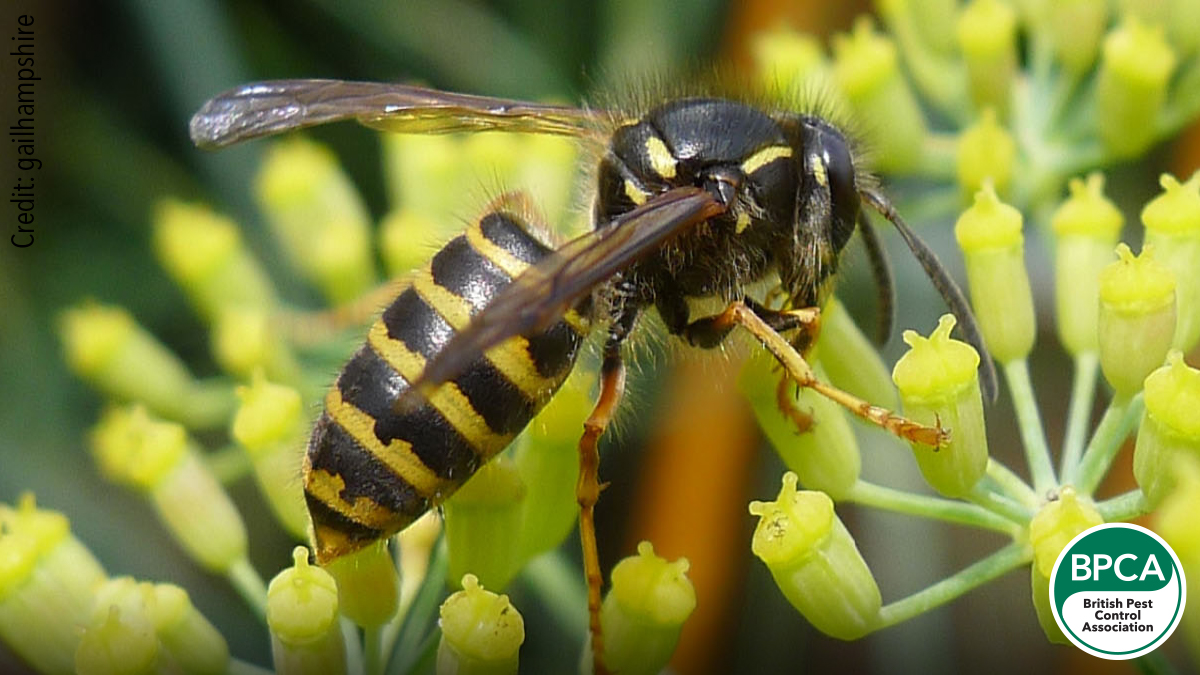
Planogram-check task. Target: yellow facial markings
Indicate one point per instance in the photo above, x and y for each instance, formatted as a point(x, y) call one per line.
point(506, 261)
point(743, 221)
point(818, 169)
point(327, 487)
point(397, 455)
point(636, 194)
point(764, 157)
point(447, 398)
point(660, 157)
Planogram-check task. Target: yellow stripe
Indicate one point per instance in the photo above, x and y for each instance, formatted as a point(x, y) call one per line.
point(510, 357)
point(764, 157)
point(397, 455)
point(660, 157)
point(636, 194)
point(447, 399)
point(328, 487)
point(506, 261)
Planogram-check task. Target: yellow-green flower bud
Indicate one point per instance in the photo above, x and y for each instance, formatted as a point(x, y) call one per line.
point(644, 612)
point(1172, 222)
point(155, 457)
point(825, 456)
point(986, 152)
point(406, 239)
point(416, 544)
point(186, 634)
point(785, 59)
point(1074, 28)
point(989, 234)
point(933, 21)
point(548, 463)
point(424, 176)
point(204, 253)
point(1056, 524)
point(244, 339)
point(867, 71)
point(47, 580)
point(850, 359)
point(939, 384)
point(483, 524)
point(482, 632)
point(1042, 607)
point(367, 585)
point(271, 425)
point(1086, 226)
point(987, 35)
point(547, 171)
point(317, 215)
point(1183, 26)
point(815, 563)
point(1137, 318)
point(1175, 517)
point(1131, 86)
point(1170, 426)
point(302, 613)
point(104, 345)
point(120, 642)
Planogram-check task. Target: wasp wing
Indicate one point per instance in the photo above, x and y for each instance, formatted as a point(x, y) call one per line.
point(271, 107)
point(544, 292)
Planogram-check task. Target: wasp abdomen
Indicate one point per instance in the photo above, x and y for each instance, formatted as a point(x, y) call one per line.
point(372, 467)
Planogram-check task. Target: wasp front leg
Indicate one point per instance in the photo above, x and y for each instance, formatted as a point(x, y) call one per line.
point(738, 313)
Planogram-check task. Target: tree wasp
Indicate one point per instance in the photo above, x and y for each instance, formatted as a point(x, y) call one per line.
point(696, 197)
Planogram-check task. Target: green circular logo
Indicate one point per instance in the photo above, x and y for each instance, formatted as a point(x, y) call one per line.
point(1117, 591)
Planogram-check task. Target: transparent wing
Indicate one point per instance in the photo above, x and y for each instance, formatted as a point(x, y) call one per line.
point(544, 292)
point(271, 107)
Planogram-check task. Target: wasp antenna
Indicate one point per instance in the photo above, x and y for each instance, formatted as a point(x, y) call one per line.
point(885, 285)
point(945, 285)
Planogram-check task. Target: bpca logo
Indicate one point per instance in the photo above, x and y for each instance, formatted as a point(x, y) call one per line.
point(1117, 591)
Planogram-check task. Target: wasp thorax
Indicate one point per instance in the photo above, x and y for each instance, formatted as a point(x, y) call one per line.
point(728, 148)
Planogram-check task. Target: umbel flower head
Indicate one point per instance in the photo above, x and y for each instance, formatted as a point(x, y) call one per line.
point(987, 111)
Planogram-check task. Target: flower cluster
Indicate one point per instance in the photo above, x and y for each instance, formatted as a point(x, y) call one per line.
point(945, 95)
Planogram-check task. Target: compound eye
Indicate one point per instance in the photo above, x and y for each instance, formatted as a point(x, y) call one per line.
point(839, 168)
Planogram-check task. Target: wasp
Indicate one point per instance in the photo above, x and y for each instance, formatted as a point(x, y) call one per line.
point(696, 197)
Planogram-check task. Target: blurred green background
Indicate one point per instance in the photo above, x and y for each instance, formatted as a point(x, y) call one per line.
point(121, 79)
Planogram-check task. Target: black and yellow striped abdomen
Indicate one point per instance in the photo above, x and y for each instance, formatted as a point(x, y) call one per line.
point(371, 470)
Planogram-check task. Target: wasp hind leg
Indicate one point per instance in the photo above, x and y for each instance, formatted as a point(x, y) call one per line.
point(587, 489)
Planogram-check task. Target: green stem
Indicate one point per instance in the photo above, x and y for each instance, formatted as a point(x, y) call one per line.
point(557, 582)
point(208, 404)
point(1000, 505)
point(992, 567)
point(1011, 484)
point(373, 655)
point(1083, 393)
point(1037, 453)
point(247, 582)
point(354, 652)
point(1113, 429)
point(938, 508)
point(1124, 507)
point(1154, 663)
point(420, 615)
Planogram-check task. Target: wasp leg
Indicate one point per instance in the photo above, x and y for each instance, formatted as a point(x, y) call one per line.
point(316, 327)
point(787, 406)
point(799, 370)
point(588, 487)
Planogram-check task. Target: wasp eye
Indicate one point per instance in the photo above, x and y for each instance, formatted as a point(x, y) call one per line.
point(839, 170)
